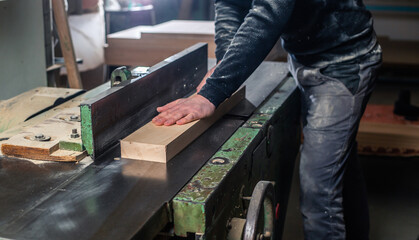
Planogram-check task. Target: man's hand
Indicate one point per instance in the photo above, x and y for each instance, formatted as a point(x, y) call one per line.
point(184, 110)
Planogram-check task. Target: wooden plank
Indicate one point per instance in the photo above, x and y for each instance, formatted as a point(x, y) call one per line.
point(119, 111)
point(66, 44)
point(148, 52)
point(148, 45)
point(58, 129)
point(180, 27)
point(381, 132)
point(162, 143)
point(24, 106)
point(388, 139)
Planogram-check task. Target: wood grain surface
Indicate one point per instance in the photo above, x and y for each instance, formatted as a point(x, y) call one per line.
point(162, 143)
point(18, 109)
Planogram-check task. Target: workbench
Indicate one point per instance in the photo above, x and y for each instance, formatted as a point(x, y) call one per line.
point(192, 195)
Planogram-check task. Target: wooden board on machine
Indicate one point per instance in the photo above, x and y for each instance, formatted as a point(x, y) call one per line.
point(381, 132)
point(18, 109)
point(162, 143)
point(60, 147)
point(24, 106)
point(148, 45)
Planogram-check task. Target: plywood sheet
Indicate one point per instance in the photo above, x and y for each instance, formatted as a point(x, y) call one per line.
point(162, 143)
point(381, 132)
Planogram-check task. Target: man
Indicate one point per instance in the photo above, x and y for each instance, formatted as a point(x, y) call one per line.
point(333, 55)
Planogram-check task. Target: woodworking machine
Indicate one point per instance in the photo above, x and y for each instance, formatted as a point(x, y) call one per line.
point(62, 175)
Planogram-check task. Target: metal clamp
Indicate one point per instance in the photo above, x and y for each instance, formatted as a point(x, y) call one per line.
point(119, 75)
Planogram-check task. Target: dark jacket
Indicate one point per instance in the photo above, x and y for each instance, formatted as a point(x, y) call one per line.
point(316, 33)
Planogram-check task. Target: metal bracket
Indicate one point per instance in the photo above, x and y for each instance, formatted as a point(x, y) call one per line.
point(122, 74)
point(119, 75)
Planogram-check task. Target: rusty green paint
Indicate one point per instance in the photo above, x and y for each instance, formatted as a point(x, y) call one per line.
point(86, 128)
point(257, 120)
point(191, 215)
point(264, 113)
point(71, 146)
point(278, 99)
point(189, 203)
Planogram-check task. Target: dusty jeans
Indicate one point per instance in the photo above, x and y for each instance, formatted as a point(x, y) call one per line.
point(333, 194)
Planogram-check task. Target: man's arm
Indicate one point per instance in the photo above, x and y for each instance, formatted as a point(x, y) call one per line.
point(229, 16)
point(252, 42)
point(254, 39)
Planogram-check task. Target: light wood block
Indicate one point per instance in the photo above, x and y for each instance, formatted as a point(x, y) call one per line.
point(162, 143)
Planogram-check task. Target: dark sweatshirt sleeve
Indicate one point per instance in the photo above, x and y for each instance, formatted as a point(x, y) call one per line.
point(229, 15)
point(252, 42)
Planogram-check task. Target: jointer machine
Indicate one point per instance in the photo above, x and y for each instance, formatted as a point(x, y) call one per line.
point(62, 175)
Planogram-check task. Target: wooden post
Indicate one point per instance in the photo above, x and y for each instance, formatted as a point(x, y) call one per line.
point(60, 16)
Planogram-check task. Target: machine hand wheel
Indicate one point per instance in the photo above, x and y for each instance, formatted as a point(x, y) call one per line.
point(260, 219)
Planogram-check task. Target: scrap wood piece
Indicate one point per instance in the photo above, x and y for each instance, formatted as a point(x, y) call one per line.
point(74, 102)
point(383, 133)
point(49, 140)
point(26, 105)
point(162, 143)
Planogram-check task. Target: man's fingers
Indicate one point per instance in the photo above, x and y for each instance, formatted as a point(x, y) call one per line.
point(173, 117)
point(184, 111)
point(158, 120)
point(170, 116)
point(187, 119)
point(169, 105)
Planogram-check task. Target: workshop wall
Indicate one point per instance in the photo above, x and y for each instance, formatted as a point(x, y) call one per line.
point(22, 50)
